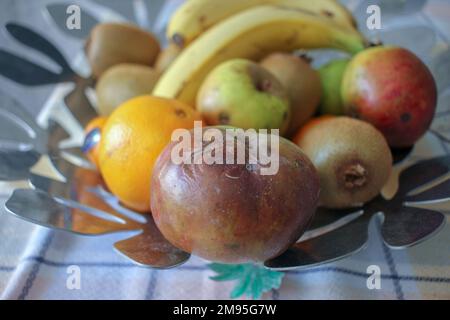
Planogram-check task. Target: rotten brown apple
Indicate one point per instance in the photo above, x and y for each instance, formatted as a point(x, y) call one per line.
point(232, 213)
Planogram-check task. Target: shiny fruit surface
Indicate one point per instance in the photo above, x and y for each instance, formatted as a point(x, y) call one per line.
point(231, 212)
point(392, 89)
point(132, 140)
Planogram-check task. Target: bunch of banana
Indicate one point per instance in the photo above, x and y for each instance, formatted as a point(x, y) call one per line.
point(252, 34)
point(196, 16)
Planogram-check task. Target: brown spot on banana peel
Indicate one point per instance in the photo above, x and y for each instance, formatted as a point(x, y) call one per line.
point(258, 47)
point(202, 21)
point(178, 39)
point(343, 44)
point(222, 51)
point(327, 13)
point(292, 38)
point(349, 43)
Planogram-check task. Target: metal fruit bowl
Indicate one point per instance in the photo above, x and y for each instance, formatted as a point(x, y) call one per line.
point(61, 190)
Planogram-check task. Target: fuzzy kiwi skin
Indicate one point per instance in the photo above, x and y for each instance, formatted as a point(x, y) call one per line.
point(121, 83)
point(302, 84)
point(352, 157)
point(110, 44)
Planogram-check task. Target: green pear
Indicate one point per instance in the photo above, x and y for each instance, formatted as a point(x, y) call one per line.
point(331, 76)
point(243, 94)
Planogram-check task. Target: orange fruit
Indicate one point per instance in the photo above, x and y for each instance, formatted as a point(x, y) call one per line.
point(92, 139)
point(132, 139)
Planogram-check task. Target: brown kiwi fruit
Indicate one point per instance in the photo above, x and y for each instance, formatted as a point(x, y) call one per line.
point(352, 157)
point(167, 56)
point(302, 83)
point(121, 83)
point(114, 43)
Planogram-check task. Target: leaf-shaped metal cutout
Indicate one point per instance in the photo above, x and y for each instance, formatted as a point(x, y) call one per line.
point(151, 249)
point(410, 226)
point(403, 226)
point(328, 247)
point(421, 174)
point(25, 72)
point(325, 217)
point(35, 41)
point(18, 126)
point(441, 205)
point(18, 130)
point(40, 208)
point(80, 189)
point(437, 191)
point(70, 206)
point(337, 222)
point(90, 214)
point(15, 165)
point(21, 140)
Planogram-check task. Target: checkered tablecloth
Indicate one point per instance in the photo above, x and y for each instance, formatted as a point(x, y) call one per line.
point(35, 263)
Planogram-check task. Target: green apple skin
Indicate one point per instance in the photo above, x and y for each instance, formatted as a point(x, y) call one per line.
point(302, 83)
point(393, 89)
point(331, 76)
point(242, 94)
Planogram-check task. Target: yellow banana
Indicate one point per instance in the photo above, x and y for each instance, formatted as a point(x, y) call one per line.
point(196, 16)
point(252, 34)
